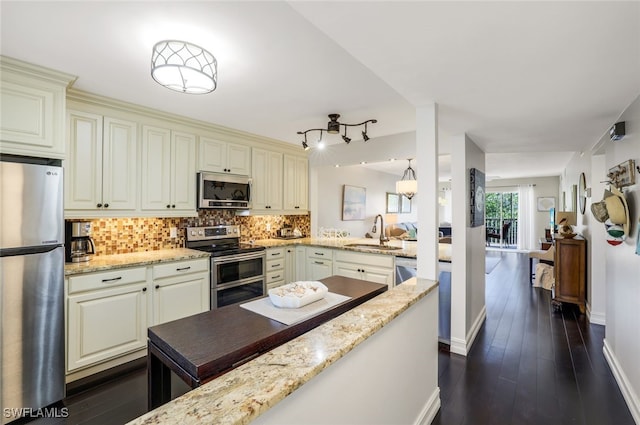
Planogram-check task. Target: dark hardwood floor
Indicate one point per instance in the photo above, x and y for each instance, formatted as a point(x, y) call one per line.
point(529, 365)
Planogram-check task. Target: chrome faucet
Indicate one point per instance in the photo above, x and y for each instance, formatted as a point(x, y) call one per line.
point(383, 238)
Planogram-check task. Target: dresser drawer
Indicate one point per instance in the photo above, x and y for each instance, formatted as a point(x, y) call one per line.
point(275, 253)
point(275, 276)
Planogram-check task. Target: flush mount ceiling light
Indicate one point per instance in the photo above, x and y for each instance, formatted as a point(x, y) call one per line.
point(408, 186)
point(184, 67)
point(333, 127)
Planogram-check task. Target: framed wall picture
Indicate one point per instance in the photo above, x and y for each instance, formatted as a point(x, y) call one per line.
point(354, 203)
point(476, 197)
point(545, 203)
point(393, 202)
point(405, 204)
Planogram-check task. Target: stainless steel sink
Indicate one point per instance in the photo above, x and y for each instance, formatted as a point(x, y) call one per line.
point(372, 246)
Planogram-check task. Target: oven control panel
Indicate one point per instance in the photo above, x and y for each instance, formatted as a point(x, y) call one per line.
point(212, 232)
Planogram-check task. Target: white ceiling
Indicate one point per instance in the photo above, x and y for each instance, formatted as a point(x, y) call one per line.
point(530, 82)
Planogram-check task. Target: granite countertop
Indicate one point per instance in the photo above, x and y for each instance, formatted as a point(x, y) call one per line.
point(246, 392)
point(406, 248)
point(110, 262)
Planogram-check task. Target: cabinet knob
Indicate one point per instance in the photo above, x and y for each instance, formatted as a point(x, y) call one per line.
point(144, 289)
point(173, 206)
point(106, 205)
point(99, 205)
point(168, 206)
point(157, 286)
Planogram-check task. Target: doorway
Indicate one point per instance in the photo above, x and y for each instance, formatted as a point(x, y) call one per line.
point(501, 219)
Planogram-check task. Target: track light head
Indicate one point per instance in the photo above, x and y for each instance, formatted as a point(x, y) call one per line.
point(305, 145)
point(364, 136)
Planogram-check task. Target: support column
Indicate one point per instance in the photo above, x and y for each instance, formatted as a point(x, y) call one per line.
point(427, 197)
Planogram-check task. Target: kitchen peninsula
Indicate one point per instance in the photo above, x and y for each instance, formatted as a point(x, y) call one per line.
point(358, 354)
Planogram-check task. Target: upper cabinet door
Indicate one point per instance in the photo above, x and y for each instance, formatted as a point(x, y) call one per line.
point(83, 167)
point(119, 164)
point(183, 171)
point(296, 183)
point(239, 159)
point(222, 157)
point(32, 109)
point(156, 168)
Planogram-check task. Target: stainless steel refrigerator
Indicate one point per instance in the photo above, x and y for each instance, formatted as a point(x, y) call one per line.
point(32, 284)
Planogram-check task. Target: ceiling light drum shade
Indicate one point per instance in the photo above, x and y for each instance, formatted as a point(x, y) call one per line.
point(184, 67)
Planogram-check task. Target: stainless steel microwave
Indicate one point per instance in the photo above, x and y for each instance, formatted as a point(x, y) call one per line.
point(217, 190)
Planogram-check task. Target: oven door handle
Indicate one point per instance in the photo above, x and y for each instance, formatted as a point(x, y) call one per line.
point(242, 282)
point(238, 257)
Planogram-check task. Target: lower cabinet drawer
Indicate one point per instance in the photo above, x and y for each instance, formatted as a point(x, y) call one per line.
point(275, 276)
point(104, 280)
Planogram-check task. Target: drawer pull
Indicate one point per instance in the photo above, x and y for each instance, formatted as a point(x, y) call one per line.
point(273, 254)
point(183, 269)
point(319, 262)
point(319, 253)
point(111, 280)
point(273, 266)
point(276, 277)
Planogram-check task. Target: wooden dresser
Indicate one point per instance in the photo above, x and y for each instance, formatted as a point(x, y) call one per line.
point(570, 272)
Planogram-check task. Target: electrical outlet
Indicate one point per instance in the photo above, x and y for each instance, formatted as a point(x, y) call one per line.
point(173, 232)
point(268, 227)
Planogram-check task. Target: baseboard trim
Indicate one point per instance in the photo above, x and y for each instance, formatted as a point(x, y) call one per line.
point(595, 317)
point(630, 397)
point(430, 409)
point(462, 347)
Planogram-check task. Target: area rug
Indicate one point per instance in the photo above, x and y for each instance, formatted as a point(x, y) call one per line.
point(491, 263)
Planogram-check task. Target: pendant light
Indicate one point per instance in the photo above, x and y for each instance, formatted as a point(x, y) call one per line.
point(408, 185)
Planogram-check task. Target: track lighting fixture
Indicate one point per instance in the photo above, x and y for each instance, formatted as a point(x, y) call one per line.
point(333, 127)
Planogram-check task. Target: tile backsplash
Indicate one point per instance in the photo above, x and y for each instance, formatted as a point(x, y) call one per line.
point(125, 235)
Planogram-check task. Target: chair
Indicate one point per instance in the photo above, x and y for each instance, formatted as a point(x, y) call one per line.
point(493, 233)
point(546, 257)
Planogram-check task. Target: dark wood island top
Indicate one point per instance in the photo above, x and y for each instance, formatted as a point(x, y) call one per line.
point(201, 347)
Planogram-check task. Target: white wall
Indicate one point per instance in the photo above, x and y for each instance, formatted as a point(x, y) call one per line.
point(622, 344)
point(613, 271)
point(544, 187)
point(326, 207)
point(468, 250)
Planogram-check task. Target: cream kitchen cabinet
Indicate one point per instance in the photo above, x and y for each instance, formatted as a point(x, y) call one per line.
point(266, 172)
point(319, 263)
point(275, 267)
point(101, 165)
point(106, 315)
point(168, 171)
point(32, 108)
point(180, 289)
point(296, 184)
point(291, 272)
point(377, 268)
point(222, 157)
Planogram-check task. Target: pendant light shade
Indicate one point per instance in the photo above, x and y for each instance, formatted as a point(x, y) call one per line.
point(408, 186)
point(184, 67)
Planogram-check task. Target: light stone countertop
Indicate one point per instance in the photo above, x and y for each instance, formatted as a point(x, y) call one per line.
point(243, 394)
point(406, 248)
point(110, 262)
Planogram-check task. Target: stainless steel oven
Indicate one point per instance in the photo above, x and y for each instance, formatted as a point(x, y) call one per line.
point(237, 270)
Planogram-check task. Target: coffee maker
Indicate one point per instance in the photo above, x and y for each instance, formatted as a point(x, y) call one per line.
point(78, 243)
